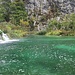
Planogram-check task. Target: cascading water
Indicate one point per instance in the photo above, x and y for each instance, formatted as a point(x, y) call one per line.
point(5, 37)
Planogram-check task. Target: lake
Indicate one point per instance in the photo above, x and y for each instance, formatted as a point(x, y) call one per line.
point(38, 55)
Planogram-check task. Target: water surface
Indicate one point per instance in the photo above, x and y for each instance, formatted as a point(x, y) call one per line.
point(38, 55)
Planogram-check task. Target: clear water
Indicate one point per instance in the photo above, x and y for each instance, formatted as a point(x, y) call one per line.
point(38, 55)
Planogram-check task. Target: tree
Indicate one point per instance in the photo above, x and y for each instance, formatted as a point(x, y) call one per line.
point(13, 11)
point(5, 10)
point(18, 12)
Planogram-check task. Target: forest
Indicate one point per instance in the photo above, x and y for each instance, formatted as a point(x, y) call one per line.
point(16, 21)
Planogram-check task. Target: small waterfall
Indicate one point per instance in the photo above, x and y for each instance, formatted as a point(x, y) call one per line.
point(5, 37)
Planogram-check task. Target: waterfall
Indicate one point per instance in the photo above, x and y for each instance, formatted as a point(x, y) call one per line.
point(5, 37)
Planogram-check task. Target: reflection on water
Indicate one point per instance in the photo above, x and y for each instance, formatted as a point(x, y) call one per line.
point(38, 55)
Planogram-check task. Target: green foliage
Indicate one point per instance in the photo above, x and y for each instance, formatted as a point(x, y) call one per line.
point(41, 33)
point(56, 32)
point(18, 12)
point(18, 33)
point(0, 32)
point(5, 27)
point(24, 23)
point(66, 24)
point(5, 10)
point(53, 25)
point(12, 30)
point(12, 11)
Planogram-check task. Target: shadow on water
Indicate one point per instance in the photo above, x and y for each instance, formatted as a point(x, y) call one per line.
point(38, 55)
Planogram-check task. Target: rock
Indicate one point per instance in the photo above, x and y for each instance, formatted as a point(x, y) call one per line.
point(64, 6)
point(47, 9)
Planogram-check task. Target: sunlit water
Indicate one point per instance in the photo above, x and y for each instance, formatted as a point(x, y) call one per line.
point(38, 55)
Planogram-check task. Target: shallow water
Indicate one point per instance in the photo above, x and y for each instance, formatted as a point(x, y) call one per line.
point(38, 55)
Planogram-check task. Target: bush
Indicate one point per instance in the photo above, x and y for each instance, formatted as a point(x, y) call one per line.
point(54, 25)
point(56, 32)
point(24, 23)
point(41, 33)
point(18, 33)
point(65, 24)
point(12, 30)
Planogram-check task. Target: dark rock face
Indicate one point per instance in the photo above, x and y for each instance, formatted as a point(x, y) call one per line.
point(64, 6)
point(48, 9)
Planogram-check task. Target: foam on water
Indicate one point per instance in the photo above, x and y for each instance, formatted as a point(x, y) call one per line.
point(5, 37)
point(8, 41)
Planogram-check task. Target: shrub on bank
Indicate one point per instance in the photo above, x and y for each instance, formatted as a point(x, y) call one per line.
point(41, 33)
point(12, 30)
point(56, 32)
point(65, 24)
point(24, 23)
point(18, 33)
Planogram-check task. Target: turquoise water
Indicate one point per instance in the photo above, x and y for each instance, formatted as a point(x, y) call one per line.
point(38, 55)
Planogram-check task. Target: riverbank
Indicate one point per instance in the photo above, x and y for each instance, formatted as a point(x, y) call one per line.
point(56, 33)
point(12, 30)
point(18, 31)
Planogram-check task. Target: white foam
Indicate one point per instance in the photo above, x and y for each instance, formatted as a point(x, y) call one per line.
point(8, 41)
point(5, 37)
